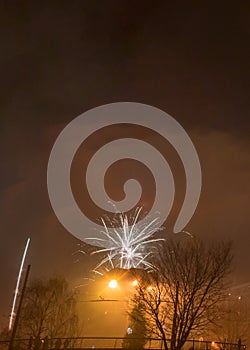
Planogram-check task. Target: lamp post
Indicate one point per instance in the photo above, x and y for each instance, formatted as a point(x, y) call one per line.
point(12, 339)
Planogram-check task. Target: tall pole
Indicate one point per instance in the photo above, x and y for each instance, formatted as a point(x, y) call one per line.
point(12, 339)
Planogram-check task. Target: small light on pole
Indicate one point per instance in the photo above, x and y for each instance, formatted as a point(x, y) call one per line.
point(135, 283)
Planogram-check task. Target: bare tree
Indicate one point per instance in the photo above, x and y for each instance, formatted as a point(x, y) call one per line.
point(49, 309)
point(180, 296)
point(233, 322)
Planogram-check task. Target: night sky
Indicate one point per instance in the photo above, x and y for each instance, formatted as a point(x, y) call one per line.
point(61, 58)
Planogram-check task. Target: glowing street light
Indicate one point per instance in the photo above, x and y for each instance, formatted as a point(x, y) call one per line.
point(113, 284)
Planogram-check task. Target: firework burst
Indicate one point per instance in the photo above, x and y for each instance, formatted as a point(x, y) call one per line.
point(131, 243)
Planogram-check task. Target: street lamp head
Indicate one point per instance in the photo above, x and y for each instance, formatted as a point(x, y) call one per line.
point(135, 283)
point(113, 284)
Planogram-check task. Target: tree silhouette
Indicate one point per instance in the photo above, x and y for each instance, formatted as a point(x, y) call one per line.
point(135, 337)
point(49, 309)
point(180, 296)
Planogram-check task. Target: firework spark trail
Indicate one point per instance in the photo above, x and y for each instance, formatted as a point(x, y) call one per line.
point(129, 246)
point(18, 283)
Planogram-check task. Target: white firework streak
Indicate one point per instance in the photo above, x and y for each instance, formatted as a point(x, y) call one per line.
point(18, 283)
point(130, 246)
